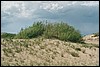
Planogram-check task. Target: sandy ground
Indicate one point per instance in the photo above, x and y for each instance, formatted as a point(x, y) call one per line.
point(91, 39)
point(47, 52)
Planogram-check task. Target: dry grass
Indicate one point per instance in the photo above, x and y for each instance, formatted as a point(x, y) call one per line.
point(47, 52)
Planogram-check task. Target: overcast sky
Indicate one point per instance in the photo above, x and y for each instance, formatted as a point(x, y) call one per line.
point(83, 15)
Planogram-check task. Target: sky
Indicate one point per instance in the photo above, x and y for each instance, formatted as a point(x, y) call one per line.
point(82, 15)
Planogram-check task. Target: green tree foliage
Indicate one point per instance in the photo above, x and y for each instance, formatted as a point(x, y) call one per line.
point(8, 35)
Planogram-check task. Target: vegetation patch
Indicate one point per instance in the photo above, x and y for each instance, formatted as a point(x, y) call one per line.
point(96, 34)
point(7, 35)
point(74, 54)
point(78, 49)
point(61, 31)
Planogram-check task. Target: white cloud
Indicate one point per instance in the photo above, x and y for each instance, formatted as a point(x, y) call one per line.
point(24, 14)
point(27, 6)
point(57, 5)
point(29, 11)
point(74, 2)
point(51, 6)
point(8, 4)
point(90, 3)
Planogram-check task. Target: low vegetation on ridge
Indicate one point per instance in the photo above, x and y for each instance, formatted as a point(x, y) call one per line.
point(61, 31)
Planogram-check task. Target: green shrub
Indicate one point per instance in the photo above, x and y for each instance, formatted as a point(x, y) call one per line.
point(56, 30)
point(7, 35)
point(62, 31)
point(31, 32)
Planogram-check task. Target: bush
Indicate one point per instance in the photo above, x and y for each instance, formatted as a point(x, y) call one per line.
point(31, 32)
point(60, 31)
point(8, 35)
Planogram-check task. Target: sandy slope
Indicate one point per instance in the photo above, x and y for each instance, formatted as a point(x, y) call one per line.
point(91, 39)
point(47, 52)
